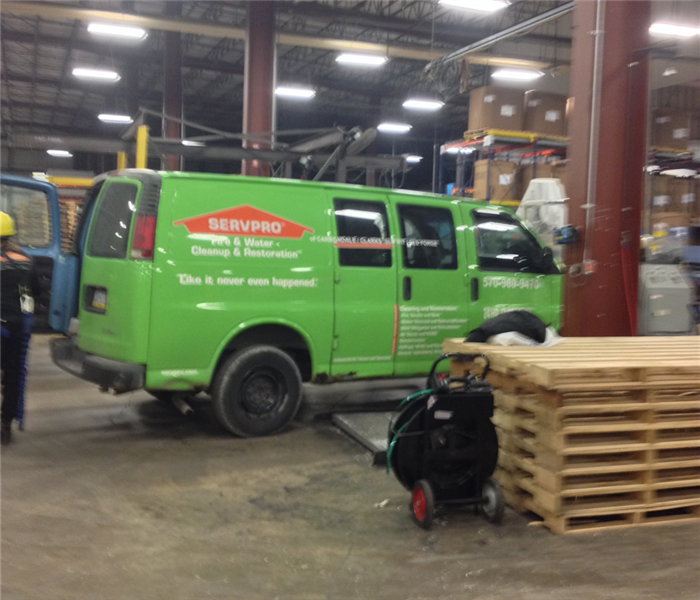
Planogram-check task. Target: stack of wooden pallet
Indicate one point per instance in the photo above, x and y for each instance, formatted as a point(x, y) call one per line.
point(597, 432)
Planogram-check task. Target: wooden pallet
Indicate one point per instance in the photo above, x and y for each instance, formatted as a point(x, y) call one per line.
point(589, 447)
point(608, 363)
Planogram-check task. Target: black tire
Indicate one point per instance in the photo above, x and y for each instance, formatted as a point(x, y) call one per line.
point(495, 502)
point(257, 391)
point(423, 504)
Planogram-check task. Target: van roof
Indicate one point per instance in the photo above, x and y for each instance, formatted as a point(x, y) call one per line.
point(298, 182)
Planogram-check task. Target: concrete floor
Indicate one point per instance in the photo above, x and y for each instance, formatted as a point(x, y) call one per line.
point(122, 497)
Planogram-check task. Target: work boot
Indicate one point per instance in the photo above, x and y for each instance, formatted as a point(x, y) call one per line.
point(5, 432)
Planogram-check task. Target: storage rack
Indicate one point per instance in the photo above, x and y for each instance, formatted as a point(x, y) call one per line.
point(488, 144)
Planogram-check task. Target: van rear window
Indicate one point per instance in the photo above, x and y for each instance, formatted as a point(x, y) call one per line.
point(110, 233)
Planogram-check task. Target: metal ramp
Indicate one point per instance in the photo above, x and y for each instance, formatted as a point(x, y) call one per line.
point(369, 429)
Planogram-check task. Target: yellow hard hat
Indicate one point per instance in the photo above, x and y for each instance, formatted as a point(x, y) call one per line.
point(7, 225)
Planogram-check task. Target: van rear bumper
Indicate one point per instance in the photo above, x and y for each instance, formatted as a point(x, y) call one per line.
point(105, 372)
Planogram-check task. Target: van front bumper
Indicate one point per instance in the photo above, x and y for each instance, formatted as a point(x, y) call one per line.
point(105, 372)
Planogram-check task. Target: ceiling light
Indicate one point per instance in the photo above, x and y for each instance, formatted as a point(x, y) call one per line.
point(126, 119)
point(516, 74)
point(369, 60)
point(118, 31)
point(96, 74)
point(192, 143)
point(668, 29)
point(295, 92)
point(412, 158)
point(423, 104)
point(480, 5)
point(59, 153)
point(670, 71)
point(394, 127)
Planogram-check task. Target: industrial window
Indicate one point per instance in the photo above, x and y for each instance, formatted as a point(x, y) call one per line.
point(502, 244)
point(427, 237)
point(363, 233)
point(110, 233)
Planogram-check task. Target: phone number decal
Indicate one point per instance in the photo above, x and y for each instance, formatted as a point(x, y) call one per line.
point(512, 283)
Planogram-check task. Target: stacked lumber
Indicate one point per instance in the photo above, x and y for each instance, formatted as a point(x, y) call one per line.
point(69, 221)
point(597, 433)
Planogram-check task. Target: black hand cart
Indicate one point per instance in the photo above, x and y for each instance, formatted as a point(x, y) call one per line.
point(443, 446)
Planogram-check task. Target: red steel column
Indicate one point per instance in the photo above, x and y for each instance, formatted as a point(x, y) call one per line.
point(604, 303)
point(259, 78)
point(172, 87)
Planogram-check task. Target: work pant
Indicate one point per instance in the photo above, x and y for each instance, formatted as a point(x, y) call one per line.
point(15, 343)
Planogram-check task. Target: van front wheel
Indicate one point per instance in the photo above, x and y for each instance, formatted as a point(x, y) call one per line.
point(257, 391)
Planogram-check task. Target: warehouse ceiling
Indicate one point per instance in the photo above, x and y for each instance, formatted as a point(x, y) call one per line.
point(43, 42)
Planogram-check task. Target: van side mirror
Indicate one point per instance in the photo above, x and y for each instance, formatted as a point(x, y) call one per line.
point(547, 261)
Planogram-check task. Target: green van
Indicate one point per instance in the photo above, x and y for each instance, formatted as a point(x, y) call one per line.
point(245, 287)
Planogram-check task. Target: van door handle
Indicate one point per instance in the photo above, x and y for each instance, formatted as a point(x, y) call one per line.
point(406, 288)
point(475, 289)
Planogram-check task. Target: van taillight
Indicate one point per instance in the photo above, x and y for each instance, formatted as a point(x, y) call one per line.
point(144, 237)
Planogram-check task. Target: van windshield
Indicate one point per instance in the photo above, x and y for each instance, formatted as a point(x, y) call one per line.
point(30, 210)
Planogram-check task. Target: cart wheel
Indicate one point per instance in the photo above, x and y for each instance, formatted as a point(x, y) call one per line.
point(423, 504)
point(495, 502)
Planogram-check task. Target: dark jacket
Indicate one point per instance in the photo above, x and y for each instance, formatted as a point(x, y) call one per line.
point(18, 276)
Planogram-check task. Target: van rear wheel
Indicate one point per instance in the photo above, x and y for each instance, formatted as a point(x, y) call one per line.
point(257, 391)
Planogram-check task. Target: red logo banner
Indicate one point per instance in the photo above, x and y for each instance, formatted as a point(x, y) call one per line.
point(244, 220)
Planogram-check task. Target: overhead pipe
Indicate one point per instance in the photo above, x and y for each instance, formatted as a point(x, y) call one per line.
point(509, 32)
point(595, 126)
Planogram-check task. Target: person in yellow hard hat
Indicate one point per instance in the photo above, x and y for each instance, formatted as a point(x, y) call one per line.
point(19, 285)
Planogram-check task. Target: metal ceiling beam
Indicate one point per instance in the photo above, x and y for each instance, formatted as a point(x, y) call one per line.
point(53, 11)
point(158, 146)
point(449, 33)
point(509, 32)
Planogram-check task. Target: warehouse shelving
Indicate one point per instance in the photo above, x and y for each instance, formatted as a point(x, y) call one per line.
point(489, 144)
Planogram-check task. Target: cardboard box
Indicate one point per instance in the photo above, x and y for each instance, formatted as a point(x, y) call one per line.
point(525, 175)
point(560, 172)
point(664, 221)
point(496, 108)
point(544, 170)
point(671, 194)
point(499, 176)
point(659, 198)
point(545, 113)
point(670, 128)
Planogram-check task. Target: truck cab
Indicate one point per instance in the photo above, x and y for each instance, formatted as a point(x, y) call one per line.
point(34, 206)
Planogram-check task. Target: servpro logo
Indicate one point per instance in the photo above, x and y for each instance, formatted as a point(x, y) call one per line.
point(244, 220)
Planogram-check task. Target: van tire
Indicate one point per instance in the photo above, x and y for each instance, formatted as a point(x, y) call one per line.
point(257, 391)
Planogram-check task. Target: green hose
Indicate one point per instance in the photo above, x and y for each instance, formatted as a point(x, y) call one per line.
point(391, 446)
point(412, 396)
point(390, 449)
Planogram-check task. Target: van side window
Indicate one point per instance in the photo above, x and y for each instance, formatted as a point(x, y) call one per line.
point(502, 244)
point(428, 237)
point(363, 233)
point(110, 233)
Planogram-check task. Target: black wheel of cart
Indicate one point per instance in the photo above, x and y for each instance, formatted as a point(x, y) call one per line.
point(423, 504)
point(495, 503)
